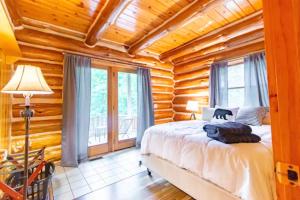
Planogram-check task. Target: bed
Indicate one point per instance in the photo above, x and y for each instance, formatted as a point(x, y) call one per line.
point(204, 168)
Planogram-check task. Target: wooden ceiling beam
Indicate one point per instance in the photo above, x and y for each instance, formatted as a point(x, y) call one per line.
point(190, 46)
point(13, 12)
point(180, 18)
point(108, 14)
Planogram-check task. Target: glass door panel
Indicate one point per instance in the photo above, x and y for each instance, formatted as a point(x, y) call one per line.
point(98, 111)
point(127, 105)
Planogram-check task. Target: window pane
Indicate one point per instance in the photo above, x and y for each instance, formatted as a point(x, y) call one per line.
point(127, 105)
point(98, 111)
point(236, 76)
point(236, 97)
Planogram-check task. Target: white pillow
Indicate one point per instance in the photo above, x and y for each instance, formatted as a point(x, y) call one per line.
point(222, 114)
point(251, 115)
point(207, 113)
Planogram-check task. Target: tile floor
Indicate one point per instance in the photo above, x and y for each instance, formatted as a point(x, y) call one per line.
point(69, 183)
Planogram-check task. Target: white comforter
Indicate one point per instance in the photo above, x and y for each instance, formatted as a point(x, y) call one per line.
point(245, 170)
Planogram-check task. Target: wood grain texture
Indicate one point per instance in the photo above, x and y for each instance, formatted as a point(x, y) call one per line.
point(13, 12)
point(5, 103)
point(45, 41)
point(172, 23)
point(145, 187)
point(283, 61)
point(191, 73)
point(46, 125)
point(213, 36)
point(102, 21)
point(63, 13)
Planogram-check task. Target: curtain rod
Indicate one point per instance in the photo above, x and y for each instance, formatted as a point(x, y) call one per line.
point(107, 59)
point(239, 57)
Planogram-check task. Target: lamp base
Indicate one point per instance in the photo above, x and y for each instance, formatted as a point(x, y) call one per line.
point(193, 116)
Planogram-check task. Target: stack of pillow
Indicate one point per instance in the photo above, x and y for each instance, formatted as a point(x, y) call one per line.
point(254, 116)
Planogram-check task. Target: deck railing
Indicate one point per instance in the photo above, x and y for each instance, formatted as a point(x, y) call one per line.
point(98, 128)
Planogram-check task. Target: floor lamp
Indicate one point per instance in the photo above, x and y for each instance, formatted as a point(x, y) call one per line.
point(27, 80)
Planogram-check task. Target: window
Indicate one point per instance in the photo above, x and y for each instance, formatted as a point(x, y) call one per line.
point(236, 84)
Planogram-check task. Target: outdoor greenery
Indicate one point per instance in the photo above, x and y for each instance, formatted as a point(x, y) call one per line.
point(127, 93)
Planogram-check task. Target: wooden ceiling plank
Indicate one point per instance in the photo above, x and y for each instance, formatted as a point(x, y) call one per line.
point(109, 13)
point(62, 6)
point(189, 46)
point(171, 24)
point(235, 9)
point(34, 8)
point(13, 12)
point(245, 6)
point(257, 4)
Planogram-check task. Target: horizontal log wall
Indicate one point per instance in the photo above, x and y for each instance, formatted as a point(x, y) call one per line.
point(46, 125)
point(163, 93)
point(191, 72)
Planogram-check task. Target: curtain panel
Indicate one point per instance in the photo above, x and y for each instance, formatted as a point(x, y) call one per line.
point(218, 84)
point(256, 81)
point(76, 109)
point(145, 103)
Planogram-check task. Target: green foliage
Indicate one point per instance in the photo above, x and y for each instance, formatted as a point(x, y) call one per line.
point(98, 93)
point(127, 93)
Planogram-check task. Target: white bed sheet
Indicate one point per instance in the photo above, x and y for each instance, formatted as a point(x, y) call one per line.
point(245, 170)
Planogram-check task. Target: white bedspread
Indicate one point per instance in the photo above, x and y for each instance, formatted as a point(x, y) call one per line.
point(245, 170)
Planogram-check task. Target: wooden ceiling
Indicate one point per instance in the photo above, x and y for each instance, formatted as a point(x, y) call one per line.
point(72, 14)
point(153, 27)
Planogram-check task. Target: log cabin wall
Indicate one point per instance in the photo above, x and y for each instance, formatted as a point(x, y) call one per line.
point(191, 71)
point(190, 34)
point(163, 93)
point(46, 125)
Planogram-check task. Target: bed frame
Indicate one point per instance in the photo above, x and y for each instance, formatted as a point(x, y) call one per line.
point(188, 182)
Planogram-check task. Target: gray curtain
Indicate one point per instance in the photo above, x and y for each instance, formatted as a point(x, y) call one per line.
point(76, 109)
point(145, 115)
point(256, 82)
point(218, 84)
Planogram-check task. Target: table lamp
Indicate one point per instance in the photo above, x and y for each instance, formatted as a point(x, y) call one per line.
point(27, 80)
point(194, 107)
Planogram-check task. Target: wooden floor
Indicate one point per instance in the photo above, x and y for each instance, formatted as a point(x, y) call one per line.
point(138, 187)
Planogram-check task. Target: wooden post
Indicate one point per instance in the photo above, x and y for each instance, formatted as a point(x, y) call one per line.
point(5, 104)
point(282, 39)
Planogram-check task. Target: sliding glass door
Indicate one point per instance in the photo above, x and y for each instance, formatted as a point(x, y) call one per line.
point(127, 108)
point(113, 114)
point(98, 130)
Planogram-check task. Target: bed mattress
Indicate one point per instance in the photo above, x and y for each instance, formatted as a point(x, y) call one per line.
point(245, 170)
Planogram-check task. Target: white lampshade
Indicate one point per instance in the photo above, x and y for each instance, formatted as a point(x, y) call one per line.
point(27, 79)
point(192, 106)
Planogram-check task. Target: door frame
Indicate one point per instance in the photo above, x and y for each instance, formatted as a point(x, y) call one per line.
point(282, 41)
point(113, 144)
point(118, 145)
